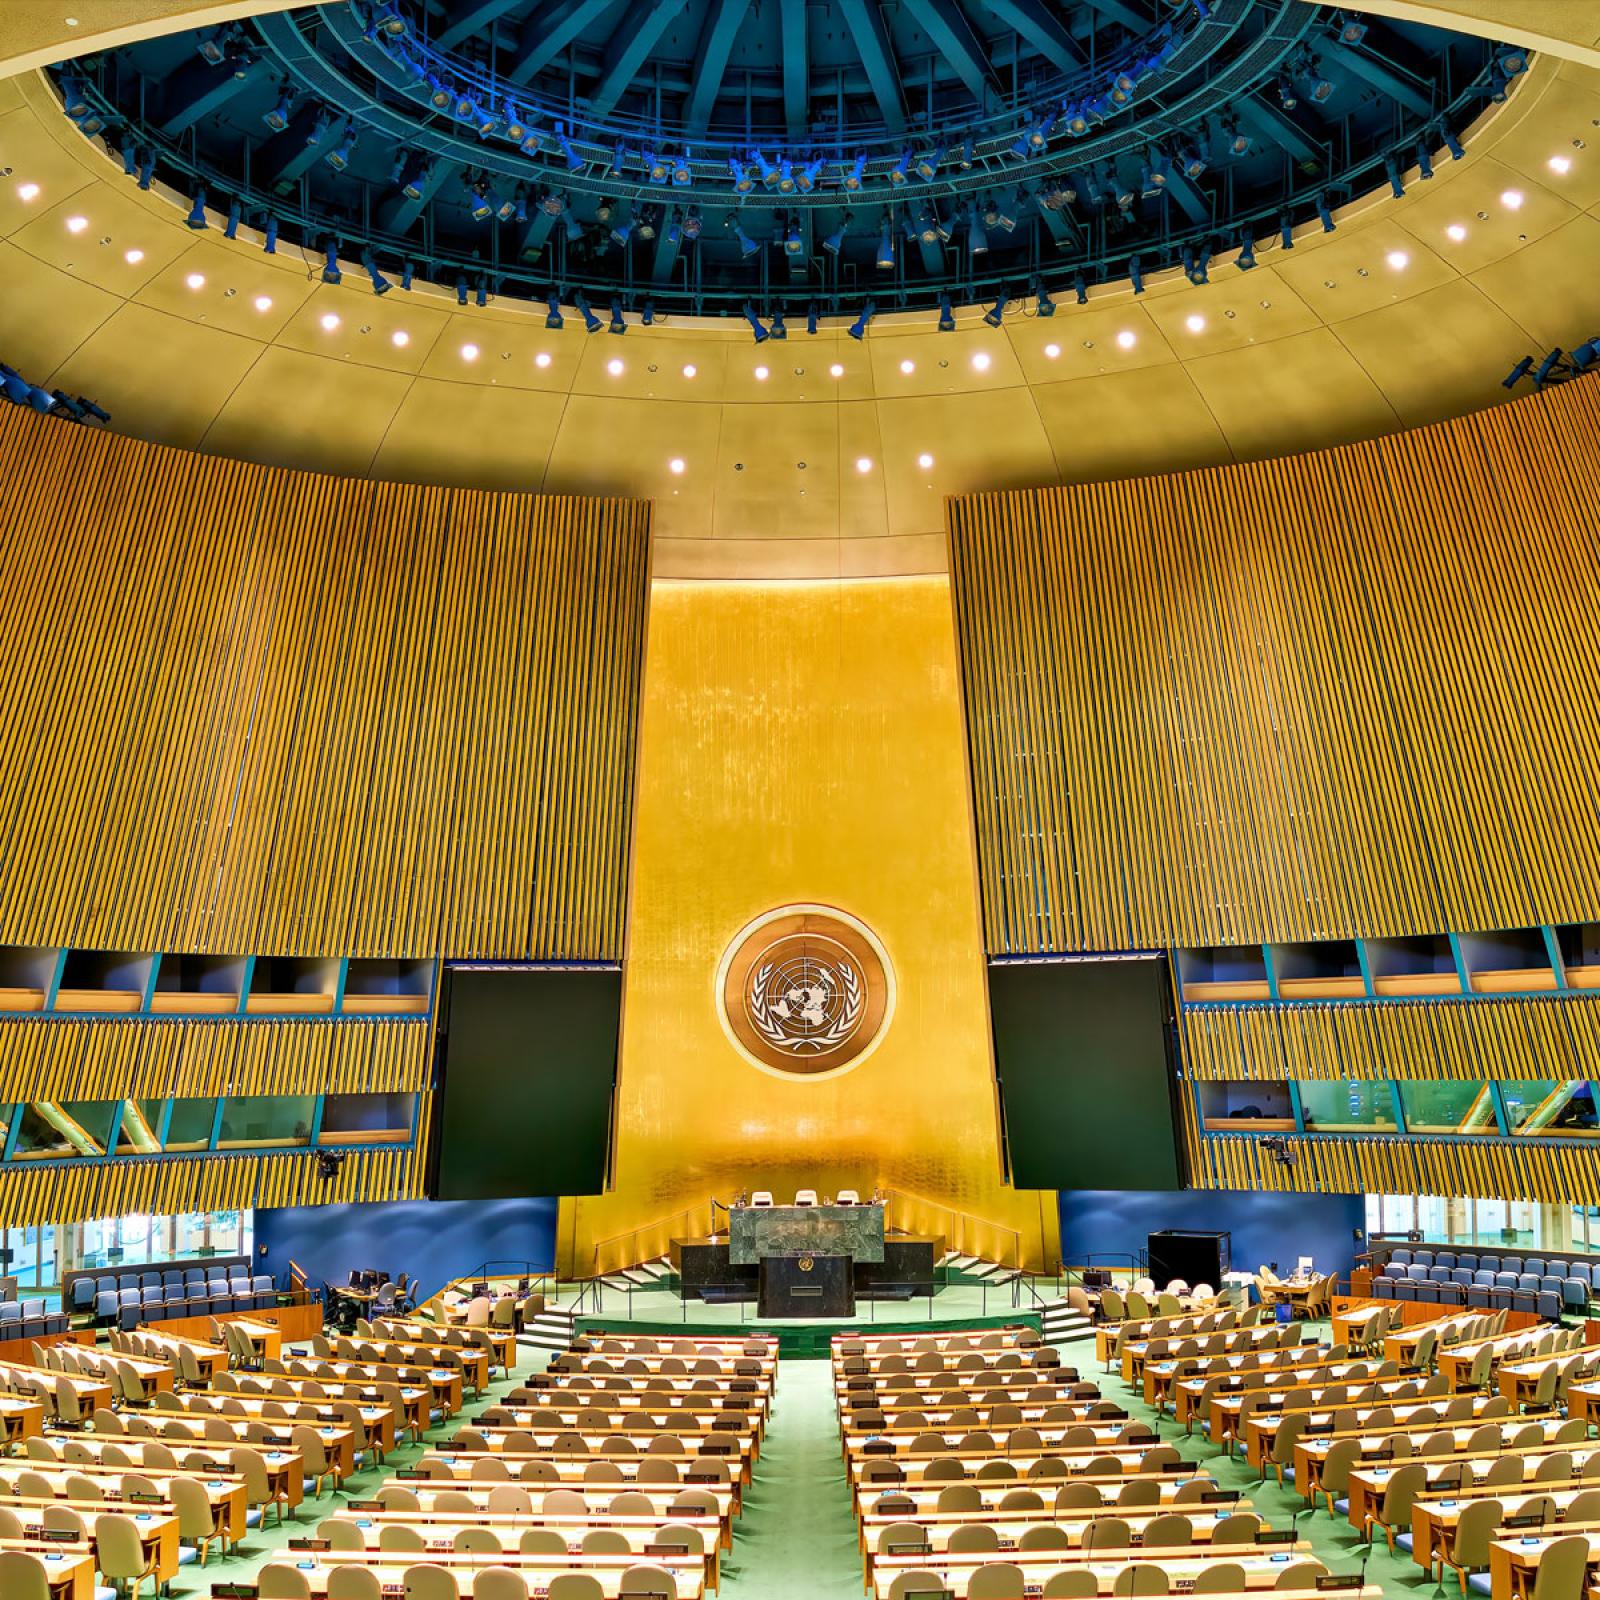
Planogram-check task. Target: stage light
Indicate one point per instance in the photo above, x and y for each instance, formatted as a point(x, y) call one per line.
point(330, 265)
point(1512, 62)
point(647, 314)
point(1286, 231)
point(792, 242)
point(392, 23)
point(531, 142)
point(834, 242)
point(747, 246)
point(1325, 213)
point(269, 243)
point(197, 209)
point(1585, 355)
point(1352, 30)
point(1321, 86)
point(900, 172)
point(414, 177)
point(811, 317)
point(1391, 170)
point(619, 154)
point(927, 229)
point(623, 232)
point(1196, 264)
point(806, 178)
point(1136, 274)
point(858, 328)
point(995, 215)
point(14, 385)
point(1518, 373)
point(564, 144)
point(277, 119)
point(785, 176)
point(755, 323)
point(885, 256)
point(553, 317)
point(580, 303)
point(481, 295)
point(947, 316)
point(1080, 288)
point(147, 168)
point(618, 324)
point(851, 180)
point(440, 94)
point(692, 223)
point(1452, 144)
point(681, 173)
point(1076, 122)
point(1547, 367)
point(997, 311)
point(516, 124)
point(778, 330)
point(1239, 143)
point(928, 165)
point(519, 203)
point(213, 46)
point(1192, 162)
point(339, 157)
point(1246, 258)
point(461, 289)
point(380, 284)
point(964, 156)
point(1043, 306)
point(1288, 97)
point(765, 170)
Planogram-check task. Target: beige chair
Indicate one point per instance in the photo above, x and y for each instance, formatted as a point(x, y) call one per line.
point(762, 1197)
point(805, 1197)
point(276, 1581)
point(1394, 1514)
point(1562, 1567)
point(358, 1583)
point(1143, 1578)
point(501, 1583)
point(647, 1579)
point(428, 1582)
point(907, 1584)
point(1071, 1585)
point(1466, 1549)
point(995, 1580)
point(847, 1197)
point(1219, 1577)
point(314, 1455)
point(401, 1539)
point(1301, 1575)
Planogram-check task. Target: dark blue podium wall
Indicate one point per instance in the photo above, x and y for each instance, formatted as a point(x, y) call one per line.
point(432, 1240)
point(1265, 1227)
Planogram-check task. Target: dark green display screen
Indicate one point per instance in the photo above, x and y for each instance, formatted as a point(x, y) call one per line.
point(529, 1065)
point(1086, 1080)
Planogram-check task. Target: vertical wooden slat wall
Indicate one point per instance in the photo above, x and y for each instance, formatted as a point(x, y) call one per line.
point(251, 710)
point(1339, 694)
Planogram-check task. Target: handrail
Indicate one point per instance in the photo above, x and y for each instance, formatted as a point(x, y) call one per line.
point(297, 1277)
point(963, 1216)
point(645, 1227)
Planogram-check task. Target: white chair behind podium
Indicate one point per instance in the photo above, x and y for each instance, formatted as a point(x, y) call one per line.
point(762, 1197)
point(805, 1197)
point(847, 1197)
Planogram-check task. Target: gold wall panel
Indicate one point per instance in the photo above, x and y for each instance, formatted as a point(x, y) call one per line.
point(254, 710)
point(801, 744)
point(1333, 695)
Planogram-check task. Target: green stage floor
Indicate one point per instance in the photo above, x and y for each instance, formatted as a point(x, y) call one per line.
point(797, 1539)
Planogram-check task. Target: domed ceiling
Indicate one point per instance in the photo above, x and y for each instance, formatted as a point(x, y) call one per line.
point(786, 157)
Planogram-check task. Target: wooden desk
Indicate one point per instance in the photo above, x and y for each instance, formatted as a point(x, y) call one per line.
point(503, 1340)
point(925, 1501)
point(564, 1412)
point(444, 1382)
point(537, 1472)
point(209, 1358)
point(677, 1344)
point(1261, 1432)
point(1015, 1336)
point(597, 1500)
point(1517, 1380)
point(1514, 1563)
point(868, 1443)
point(1109, 1336)
point(763, 1368)
point(1434, 1519)
point(225, 1493)
point(379, 1421)
point(1254, 1369)
point(68, 1568)
point(473, 1364)
point(1401, 1344)
point(913, 1468)
point(535, 1571)
point(1135, 1353)
point(737, 1449)
point(1456, 1362)
point(1294, 1390)
point(158, 1525)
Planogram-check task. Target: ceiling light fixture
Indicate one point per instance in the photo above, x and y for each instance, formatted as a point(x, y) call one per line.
point(614, 367)
point(330, 321)
point(263, 303)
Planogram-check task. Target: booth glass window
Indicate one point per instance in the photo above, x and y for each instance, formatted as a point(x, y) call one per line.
point(256, 1121)
point(1361, 1105)
point(1447, 1105)
point(1550, 1108)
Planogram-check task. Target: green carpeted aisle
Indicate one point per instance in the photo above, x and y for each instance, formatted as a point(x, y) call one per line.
point(797, 1538)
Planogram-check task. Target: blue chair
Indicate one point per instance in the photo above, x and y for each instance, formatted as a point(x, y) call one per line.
point(262, 1291)
point(1525, 1300)
point(1383, 1288)
point(1422, 1258)
point(194, 1274)
point(105, 1306)
point(1580, 1270)
point(1402, 1256)
point(1405, 1288)
point(1488, 1263)
point(171, 1280)
point(1480, 1296)
point(149, 1280)
point(1444, 1258)
point(1467, 1260)
point(1549, 1304)
point(128, 1318)
point(82, 1293)
point(1417, 1272)
point(1461, 1275)
point(1428, 1292)
point(1512, 1264)
point(1534, 1265)
point(1505, 1280)
point(10, 1318)
point(1575, 1294)
point(1528, 1282)
point(127, 1280)
point(1393, 1269)
point(1483, 1277)
point(34, 1320)
point(1439, 1274)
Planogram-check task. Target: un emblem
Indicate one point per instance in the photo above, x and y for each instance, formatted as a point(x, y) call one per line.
point(805, 991)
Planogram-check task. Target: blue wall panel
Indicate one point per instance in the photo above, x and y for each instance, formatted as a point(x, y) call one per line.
point(1265, 1227)
point(432, 1240)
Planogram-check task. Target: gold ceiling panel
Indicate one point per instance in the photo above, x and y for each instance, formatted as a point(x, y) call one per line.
point(284, 412)
point(172, 377)
point(462, 428)
point(1462, 335)
point(975, 359)
point(1351, 272)
point(1304, 394)
point(862, 508)
point(1118, 426)
point(1235, 308)
point(46, 314)
point(97, 251)
point(364, 328)
point(623, 446)
point(214, 285)
point(784, 500)
point(1565, 129)
point(1473, 201)
point(1552, 288)
point(39, 163)
point(508, 347)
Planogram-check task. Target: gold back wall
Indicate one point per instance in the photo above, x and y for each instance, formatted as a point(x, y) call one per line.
point(253, 710)
point(801, 744)
point(1337, 694)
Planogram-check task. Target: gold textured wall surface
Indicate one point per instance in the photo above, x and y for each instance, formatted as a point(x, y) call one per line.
point(801, 743)
point(253, 710)
point(1338, 694)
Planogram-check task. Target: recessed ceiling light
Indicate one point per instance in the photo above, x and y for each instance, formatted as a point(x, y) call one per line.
point(907, 367)
point(1195, 323)
point(263, 302)
point(761, 374)
point(614, 366)
point(980, 362)
point(690, 369)
point(71, 22)
point(77, 224)
point(542, 359)
point(1560, 164)
point(924, 461)
point(863, 463)
point(133, 257)
point(836, 371)
point(399, 338)
point(469, 352)
point(196, 280)
point(1052, 351)
point(1455, 233)
point(27, 191)
point(675, 466)
point(1512, 199)
point(1126, 339)
point(1398, 260)
point(330, 321)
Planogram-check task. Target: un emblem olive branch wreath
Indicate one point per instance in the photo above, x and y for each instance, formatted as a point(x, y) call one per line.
point(771, 1027)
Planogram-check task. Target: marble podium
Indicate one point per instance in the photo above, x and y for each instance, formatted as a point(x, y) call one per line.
point(756, 1232)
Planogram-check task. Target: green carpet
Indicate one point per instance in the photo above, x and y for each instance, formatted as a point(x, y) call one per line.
point(797, 1538)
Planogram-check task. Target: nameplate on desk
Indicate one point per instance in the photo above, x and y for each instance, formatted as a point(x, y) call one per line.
point(797, 1293)
point(688, 1477)
point(1220, 1497)
point(140, 1499)
point(1111, 1414)
point(235, 1591)
point(311, 1544)
point(877, 1447)
point(1524, 1519)
point(1338, 1580)
point(56, 1535)
point(410, 1472)
point(1275, 1536)
point(364, 1505)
